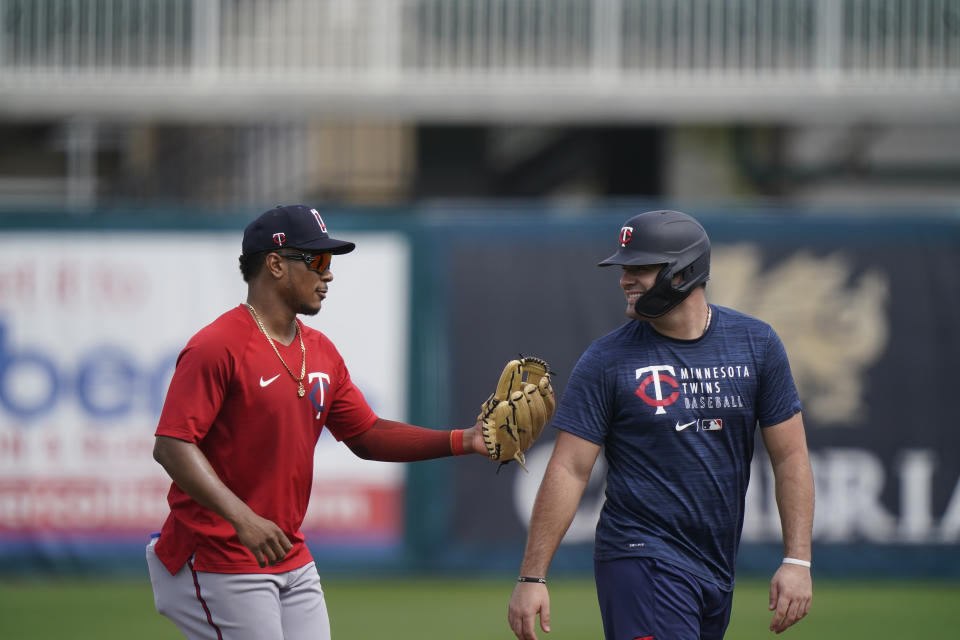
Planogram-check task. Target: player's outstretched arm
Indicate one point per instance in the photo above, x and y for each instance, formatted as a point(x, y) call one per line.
point(186, 465)
point(563, 484)
point(791, 589)
point(390, 441)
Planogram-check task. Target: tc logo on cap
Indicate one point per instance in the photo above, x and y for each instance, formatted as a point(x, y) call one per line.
point(316, 215)
point(626, 234)
point(279, 239)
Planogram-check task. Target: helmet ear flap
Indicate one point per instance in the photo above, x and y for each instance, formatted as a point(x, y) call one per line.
point(659, 298)
point(664, 295)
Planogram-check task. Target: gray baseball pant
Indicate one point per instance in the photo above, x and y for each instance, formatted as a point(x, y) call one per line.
point(241, 606)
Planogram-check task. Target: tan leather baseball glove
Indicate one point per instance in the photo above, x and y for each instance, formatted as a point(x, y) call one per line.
point(514, 416)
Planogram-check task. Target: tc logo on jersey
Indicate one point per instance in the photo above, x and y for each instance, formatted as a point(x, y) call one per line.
point(318, 392)
point(626, 235)
point(279, 239)
point(659, 380)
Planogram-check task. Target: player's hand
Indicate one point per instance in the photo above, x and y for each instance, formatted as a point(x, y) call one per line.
point(529, 599)
point(473, 439)
point(791, 591)
point(266, 541)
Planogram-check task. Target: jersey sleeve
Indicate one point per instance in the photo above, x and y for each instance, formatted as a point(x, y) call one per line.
point(777, 398)
point(586, 404)
point(197, 389)
point(349, 415)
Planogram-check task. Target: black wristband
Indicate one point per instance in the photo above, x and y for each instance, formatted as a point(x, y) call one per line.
point(531, 579)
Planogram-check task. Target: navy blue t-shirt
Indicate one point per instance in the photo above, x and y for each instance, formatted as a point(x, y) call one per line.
point(677, 420)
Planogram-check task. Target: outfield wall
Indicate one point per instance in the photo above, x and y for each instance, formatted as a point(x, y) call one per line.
point(94, 309)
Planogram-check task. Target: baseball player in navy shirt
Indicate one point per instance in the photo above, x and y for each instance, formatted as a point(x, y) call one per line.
point(674, 399)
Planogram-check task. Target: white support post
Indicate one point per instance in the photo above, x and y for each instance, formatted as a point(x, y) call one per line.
point(607, 18)
point(385, 41)
point(829, 33)
point(206, 38)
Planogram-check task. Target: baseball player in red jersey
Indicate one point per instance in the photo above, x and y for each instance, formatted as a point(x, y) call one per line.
point(249, 397)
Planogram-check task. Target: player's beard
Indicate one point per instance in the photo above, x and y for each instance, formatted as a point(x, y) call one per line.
point(307, 310)
point(298, 300)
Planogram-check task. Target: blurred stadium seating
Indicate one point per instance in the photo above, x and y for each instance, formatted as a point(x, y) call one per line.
point(355, 100)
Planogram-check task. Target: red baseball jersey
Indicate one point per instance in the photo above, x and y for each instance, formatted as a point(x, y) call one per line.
point(232, 397)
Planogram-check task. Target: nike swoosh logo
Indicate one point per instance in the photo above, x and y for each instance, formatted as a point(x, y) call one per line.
point(681, 427)
point(264, 383)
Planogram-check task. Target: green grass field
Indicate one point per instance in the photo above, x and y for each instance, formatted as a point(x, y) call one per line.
point(428, 608)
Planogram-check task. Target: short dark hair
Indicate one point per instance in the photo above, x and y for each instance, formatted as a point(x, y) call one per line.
point(251, 264)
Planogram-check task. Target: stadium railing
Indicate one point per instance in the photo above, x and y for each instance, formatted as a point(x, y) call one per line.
point(485, 58)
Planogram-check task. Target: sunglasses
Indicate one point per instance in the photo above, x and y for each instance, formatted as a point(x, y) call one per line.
point(318, 262)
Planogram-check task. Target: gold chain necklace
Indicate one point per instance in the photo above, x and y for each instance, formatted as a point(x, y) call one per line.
point(303, 351)
point(706, 325)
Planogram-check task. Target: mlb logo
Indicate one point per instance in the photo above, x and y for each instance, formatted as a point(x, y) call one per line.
point(711, 424)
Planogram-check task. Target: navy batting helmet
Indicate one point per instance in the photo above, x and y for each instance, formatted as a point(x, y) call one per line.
point(670, 238)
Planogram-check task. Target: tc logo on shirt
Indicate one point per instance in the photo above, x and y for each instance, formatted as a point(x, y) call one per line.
point(662, 385)
point(318, 392)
